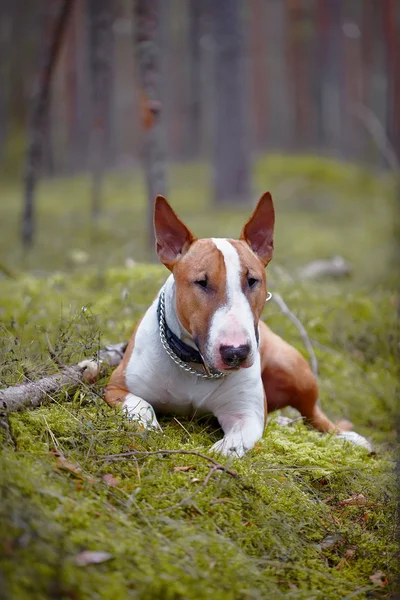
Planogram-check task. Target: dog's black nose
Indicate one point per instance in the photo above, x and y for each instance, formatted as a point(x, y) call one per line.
point(234, 356)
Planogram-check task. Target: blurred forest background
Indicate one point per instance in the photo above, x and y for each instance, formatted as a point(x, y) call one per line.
point(103, 105)
point(93, 90)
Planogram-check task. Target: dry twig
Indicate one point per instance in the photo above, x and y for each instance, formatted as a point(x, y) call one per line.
point(304, 335)
point(34, 393)
point(378, 134)
point(139, 454)
point(186, 500)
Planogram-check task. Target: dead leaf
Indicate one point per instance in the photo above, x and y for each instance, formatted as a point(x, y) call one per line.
point(328, 499)
point(183, 469)
point(356, 499)
point(349, 554)
point(90, 557)
point(109, 479)
point(379, 578)
point(66, 465)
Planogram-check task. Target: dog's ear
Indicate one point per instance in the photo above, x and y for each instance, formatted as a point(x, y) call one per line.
point(173, 238)
point(259, 229)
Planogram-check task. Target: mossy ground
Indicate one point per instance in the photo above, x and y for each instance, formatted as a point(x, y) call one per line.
point(279, 530)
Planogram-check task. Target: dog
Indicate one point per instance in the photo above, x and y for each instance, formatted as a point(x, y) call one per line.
point(201, 347)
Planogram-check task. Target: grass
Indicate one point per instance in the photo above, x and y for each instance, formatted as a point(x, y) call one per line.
point(278, 530)
point(328, 208)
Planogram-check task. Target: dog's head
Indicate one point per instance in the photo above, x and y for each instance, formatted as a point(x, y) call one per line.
point(220, 283)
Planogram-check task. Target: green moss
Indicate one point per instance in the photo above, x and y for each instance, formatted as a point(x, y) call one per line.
point(260, 536)
point(279, 529)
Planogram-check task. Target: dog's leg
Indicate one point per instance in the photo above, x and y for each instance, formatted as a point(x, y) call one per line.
point(289, 381)
point(296, 387)
point(241, 431)
point(135, 407)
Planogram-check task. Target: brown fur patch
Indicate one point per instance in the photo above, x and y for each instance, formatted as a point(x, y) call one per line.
point(196, 305)
point(116, 389)
point(251, 266)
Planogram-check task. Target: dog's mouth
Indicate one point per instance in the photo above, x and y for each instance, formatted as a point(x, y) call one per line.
point(220, 365)
point(225, 360)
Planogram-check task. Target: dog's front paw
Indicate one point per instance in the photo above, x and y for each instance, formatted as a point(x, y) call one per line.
point(141, 412)
point(229, 447)
point(356, 439)
point(284, 421)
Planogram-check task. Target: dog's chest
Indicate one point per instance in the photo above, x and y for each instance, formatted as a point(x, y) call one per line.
point(154, 376)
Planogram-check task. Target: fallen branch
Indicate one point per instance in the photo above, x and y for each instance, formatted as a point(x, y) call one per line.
point(378, 134)
point(335, 267)
point(304, 335)
point(34, 393)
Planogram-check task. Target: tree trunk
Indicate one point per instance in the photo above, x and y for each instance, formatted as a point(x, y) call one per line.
point(258, 36)
point(298, 71)
point(81, 139)
point(334, 80)
point(70, 93)
point(53, 36)
point(5, 72)
point(193, 133)
point(147, 68)
point(100, 61)
point(231, 144)
point(391, 28)
point(280, 113)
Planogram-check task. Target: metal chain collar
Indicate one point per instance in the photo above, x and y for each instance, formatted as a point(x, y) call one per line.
point(208, 374)
point(171, 353)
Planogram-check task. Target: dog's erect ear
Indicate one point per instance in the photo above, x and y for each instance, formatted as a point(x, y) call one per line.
point(259, 229)
point(173, 238)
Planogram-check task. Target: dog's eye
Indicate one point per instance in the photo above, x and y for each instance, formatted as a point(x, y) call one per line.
point(202, 282)
point(252, 282)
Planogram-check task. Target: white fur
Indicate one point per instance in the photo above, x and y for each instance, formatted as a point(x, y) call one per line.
point(355, 438)
point(237, 400)
point(233, 323)
point(141, 411)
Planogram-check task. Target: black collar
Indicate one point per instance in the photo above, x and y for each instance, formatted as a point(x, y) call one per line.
point(183, 351)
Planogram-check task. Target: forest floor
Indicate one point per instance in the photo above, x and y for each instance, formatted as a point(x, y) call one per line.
point(309, 516)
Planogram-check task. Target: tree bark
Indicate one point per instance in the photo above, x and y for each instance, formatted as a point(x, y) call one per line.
point(40, 104)
point(231, 142)
point(258, 35)
point(298, 71)
point(391, 28)
point(5, 72)
point(147, 61)
point(35, 393)
point(196, 9)
point(100, 61)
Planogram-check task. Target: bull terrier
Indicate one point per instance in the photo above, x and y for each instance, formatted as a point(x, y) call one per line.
point(201, 347)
